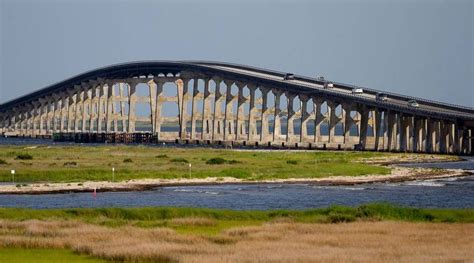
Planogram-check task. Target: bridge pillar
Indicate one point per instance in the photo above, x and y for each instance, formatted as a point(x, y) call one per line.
point(109, 115)
point(377, 128)
point(93, 109)
point(252, 113)
point(346, 116)
point(364, 122)
point(318, 119)
point(265, 131)
point(194, 111)
point(183, 96)
point(132, 101)
point(470, 149)
point(290, 120)
point(159, 105)
point(410, 133)
point(71, 110)
point(304, 119)
point(207, 114)
point(228, 121)
point(276, 116)
point(102, 100)
point(241, 130)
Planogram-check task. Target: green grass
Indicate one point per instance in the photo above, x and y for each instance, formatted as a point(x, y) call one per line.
point(20, 255)
point(92, 163)
point(223, 219)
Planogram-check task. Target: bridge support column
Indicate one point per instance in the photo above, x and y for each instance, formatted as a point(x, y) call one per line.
point(252, 113)
point(304, 119)
point(207, 113)
point(290, 119)
point(346, 112)
point(102, 100)
point(132, 101)
point(363, 126)
point(194, 110)
point(265, 132)
point(183, 97)
point(93, 109)
point(159, 106)
point(110, 107)
point(276, 116)
point(227, 123)
point(377, 128)
point(241, 130)
point(318, 119)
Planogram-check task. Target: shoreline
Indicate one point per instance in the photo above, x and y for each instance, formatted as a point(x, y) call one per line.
point(399, 174)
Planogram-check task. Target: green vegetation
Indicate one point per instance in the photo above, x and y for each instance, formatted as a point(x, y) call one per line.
point(128, 160)
point(84, 163)
point(24, 156)
point(152, 217)
point(3, 162)
point(18, 255)
point(179, 160)
point(219, 160)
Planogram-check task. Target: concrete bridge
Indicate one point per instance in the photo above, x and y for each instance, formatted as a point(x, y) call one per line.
point(211, 102)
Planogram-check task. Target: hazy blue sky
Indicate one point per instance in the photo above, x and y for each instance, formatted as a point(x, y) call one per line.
point(419, 48)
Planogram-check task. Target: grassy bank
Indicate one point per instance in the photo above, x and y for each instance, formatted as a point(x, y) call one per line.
point(165, 216)
point(17, 255)
point(94, 163)
point(209, 235)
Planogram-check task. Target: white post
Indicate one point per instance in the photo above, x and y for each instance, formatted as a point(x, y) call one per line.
point(190, 171)
point(13, 176)
point(113, 174)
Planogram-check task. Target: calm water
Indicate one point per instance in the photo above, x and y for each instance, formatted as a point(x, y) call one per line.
point(443, 193)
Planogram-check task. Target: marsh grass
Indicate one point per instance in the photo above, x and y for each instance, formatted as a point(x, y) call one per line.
point(208, 235)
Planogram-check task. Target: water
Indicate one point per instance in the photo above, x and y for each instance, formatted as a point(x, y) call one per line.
point(442, 193)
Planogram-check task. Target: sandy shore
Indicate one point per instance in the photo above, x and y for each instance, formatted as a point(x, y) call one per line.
point(398, 174)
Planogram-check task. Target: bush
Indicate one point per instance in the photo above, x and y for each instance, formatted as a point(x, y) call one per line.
point(162, 156)
point(216, 160)
point(24, 156)
point(128, 160)
point(219, 160)
point(179, 160)
point(292, 162)
point(70, 163)
point(3, 162)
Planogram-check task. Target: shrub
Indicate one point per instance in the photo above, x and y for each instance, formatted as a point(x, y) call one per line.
point(179, 160)
point(70, 163)
point(3, 162)
point(292, 162)
point(162, 156)
point(128, 160)
point(219, 160)
point(216, 160)
point(24, 156)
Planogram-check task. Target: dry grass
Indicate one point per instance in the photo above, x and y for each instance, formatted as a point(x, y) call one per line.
point(270, 242)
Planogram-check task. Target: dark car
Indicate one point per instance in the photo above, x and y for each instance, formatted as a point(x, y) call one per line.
point(289, 76)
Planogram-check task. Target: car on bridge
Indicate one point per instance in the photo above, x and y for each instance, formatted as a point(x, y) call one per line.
point(289, 76)
point(357, 90)
point(320, 78)
point(413, 103)
point(328, 85)
point(381, 97)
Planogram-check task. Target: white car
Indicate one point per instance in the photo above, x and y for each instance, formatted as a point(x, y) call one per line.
point(357, 91)
point(413, 103)
point(328, 85)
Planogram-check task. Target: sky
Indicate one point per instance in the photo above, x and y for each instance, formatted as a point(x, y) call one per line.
point(418, 48)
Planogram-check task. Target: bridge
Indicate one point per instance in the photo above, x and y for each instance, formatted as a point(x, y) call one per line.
point(211, 102)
